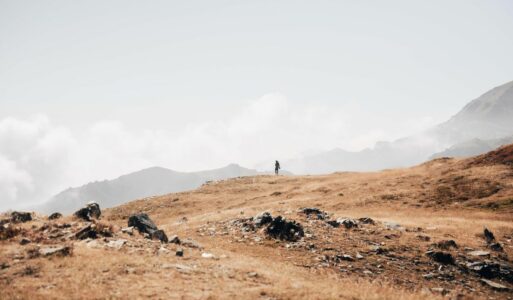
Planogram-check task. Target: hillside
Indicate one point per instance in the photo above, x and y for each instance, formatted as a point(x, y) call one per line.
point(480, 126)
point(137, 185)
point(415, 233)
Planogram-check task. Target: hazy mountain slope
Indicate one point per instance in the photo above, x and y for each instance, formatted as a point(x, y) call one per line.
point(488, 117)
point(473, 147)
point(144, 183)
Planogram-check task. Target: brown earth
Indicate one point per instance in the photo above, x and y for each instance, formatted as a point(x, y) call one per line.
point(416, 210)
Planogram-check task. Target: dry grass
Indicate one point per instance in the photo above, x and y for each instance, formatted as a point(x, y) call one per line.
point(447, 198)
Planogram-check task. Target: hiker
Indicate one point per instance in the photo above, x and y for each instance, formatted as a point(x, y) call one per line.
point(276, 167)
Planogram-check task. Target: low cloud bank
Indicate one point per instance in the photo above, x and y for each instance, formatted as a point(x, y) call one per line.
point(39, 158)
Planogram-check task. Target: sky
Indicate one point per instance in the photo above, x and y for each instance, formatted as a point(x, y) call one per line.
point(91, 90)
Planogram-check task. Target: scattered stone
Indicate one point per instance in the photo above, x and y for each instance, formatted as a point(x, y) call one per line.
point(55, 216)
point(174, 239)
point(191, 244)
point(207, 255)
point(359, 256)
point(252, 274)
point(163, 250)
point(20, 217)
point(345, 257)
point(496, 247)
point(429, 276)
point(179, 252)
point(128, 230)
point(25, 241)
point(93, 231)
point(282, 229)
point(494, 285)
point(486, 270)
point(117, 244)
point(56, 251)
point(89, 212)
point(479, 253)
point(393, 226)
point(446, 244)
point(488, 235)
point(319, 214)
point(262, 219)
point(159, 235)
point(347, 223)
point(424, 237)
point(440, 290)
point(441, 257)
point(366, 220)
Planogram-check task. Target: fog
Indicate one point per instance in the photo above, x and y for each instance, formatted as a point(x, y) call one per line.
point(91, 91)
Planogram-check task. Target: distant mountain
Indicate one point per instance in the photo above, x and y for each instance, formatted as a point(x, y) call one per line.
point(141, 184)
point(473, 147)
point(482, 125)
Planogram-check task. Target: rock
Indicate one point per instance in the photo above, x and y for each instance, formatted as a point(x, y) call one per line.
point(485, 269)
point(252, 274)
point(191, 244)
point(56, 251)
point(262, 219)
point(89, 212)
point(174, 239)
point(145, 225)
point(494, 285)
point(479, 253)
point(366, 220)
point(117, 244)
point(345, 257)
point(446, 244)
point(179, 252)
point(207, 255)
point(347, 223)
point(25, 241)
point(424, 237)
point(87, 232)
point(128, 230)
point(441, 257)
point(142, 222)
point(282, 229)
point(319, 214)
point(55, 216)
point(163, 250)
point(359, 256)
point(20, 217)
point(496, 247)
point(440, 290)
point(393, 226)
point(488, 235)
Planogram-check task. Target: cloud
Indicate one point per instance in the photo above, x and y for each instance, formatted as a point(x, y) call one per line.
point(39, 158)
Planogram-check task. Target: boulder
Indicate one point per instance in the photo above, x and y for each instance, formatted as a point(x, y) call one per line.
point(145, 225)
point(282, 229)
point(142, 222)
point(20, 217)
point(89, 212)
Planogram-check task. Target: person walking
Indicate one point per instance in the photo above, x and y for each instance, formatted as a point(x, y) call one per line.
point(277, 167)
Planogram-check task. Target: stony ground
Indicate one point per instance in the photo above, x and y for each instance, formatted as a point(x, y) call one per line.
point(416, 233)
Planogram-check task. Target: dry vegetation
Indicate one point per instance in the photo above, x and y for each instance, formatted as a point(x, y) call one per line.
point(413, 209)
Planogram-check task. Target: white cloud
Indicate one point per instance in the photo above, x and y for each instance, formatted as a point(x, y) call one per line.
point(39, 158)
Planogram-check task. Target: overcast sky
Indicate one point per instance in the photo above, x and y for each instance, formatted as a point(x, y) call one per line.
point(95, 89)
